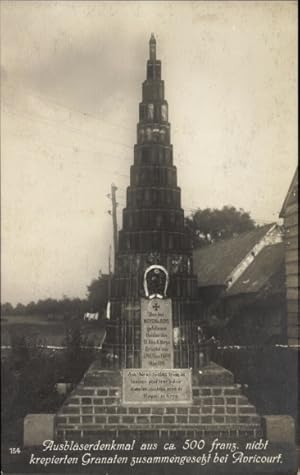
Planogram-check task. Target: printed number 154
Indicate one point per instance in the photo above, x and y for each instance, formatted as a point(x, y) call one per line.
point(14, 450)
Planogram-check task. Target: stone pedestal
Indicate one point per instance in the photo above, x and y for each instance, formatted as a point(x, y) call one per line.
point(37, 428)
point(96, 410)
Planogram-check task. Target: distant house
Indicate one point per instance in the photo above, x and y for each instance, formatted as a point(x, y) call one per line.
point(289, 213)
point(241, 282)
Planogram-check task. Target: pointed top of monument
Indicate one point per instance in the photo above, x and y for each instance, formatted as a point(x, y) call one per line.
point(152, 47)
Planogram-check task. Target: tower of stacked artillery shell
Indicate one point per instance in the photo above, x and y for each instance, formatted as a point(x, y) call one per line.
point(153, 233)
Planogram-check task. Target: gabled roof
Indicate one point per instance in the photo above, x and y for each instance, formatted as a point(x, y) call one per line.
point(291, 196)
point(268, 265)
point(215, 262)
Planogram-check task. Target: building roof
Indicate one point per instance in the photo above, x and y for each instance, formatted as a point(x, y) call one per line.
point(215, 262)
point(291, 196)
point(268, 265)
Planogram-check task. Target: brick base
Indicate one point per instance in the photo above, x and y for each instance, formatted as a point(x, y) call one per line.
point(94, 410)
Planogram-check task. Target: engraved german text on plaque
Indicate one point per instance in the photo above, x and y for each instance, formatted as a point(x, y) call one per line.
point(156, 334)
point(150, 386)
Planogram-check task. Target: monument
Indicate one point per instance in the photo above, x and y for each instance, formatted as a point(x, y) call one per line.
point(153, 377)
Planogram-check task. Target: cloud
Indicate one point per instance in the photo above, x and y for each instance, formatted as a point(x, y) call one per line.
point(87, 73)
point(85, 55)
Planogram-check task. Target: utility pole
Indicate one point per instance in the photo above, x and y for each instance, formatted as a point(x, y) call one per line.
point(113, 213)
point(109, 272)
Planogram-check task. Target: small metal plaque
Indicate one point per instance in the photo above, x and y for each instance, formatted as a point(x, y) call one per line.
point(151, 386)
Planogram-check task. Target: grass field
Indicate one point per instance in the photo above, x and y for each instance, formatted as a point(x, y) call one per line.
point(46, 332)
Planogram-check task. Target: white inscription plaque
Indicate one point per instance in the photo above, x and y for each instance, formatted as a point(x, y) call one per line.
point(154, 386)
point(156, 334)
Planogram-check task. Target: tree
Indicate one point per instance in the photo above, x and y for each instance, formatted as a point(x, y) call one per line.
point(79, 352)
point(7, 309)
point(31, 308)
point(29, 375)
point(210, 225)
point(98, 293)
point(20, 309)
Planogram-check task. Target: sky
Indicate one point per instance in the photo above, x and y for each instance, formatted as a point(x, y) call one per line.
point(71, 75)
